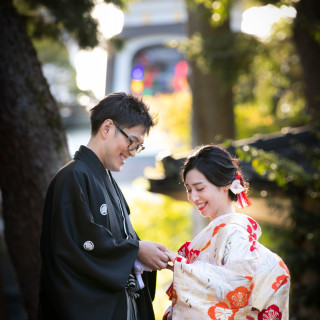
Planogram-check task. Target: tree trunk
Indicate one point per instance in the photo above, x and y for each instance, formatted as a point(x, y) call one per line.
point(33, 146)
point(212, 100)
point(3, 306)
point(306, 29)
point(212, 107)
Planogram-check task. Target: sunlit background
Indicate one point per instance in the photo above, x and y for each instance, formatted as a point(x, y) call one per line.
point(91, 65)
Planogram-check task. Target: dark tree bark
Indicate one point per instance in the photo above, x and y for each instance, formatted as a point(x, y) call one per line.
point(3, 306)
point(306, 26)
point(33, 146)
point(212, 106)
point(212, 113)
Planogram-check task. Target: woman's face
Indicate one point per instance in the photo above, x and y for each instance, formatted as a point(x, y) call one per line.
point(211, 201)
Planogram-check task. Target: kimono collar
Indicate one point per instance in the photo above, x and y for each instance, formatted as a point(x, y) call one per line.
point(246, 222)
point(91, 160)
point(240, 219)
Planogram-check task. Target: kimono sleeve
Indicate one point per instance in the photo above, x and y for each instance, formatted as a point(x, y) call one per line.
point(223, 275)
point(76, 250)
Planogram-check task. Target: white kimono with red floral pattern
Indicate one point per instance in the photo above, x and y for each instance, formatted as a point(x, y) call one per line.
point(226, 274)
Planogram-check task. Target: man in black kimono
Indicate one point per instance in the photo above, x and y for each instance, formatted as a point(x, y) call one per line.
point(88, 245)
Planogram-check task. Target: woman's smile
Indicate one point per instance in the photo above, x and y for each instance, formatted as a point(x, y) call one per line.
point(201, 206)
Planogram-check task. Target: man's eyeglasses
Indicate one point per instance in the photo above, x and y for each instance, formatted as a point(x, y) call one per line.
point(133, 146)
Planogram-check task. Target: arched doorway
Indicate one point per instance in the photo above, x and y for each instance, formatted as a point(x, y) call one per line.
point(158, 69)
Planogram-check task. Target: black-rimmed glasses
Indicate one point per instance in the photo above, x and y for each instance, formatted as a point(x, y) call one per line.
point(133, 146)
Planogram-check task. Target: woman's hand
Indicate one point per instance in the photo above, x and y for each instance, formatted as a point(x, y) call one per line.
point(171, 256)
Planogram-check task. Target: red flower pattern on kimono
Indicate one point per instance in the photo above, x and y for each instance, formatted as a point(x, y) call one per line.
point(179, 259)
point(217, 228)
point(206, 246)
point(215, 231)
point(271, 313)
point(239, 298)
point(193, 255)
point(190, 255)
point(253, 247)
point(252, 234)
point(221, 311)
point(182, 251)
point(253, 223)
point(279, 282)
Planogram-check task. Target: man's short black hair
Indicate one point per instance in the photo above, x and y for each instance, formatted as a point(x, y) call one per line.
point(125, 109)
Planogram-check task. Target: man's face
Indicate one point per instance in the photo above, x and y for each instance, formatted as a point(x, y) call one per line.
point(115, 150)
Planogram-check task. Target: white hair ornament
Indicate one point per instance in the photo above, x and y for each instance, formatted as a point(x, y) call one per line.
point(238, 189)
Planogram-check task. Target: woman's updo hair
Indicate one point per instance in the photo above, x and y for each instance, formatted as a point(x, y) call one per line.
point(216, 164)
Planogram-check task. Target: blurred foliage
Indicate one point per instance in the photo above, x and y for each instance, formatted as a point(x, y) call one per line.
point(52, 52)
point(226, 54)
point(270, 96)
point(220, 9)
point(162, 219)
point(284, 172)
point(273, 237)
point(265, 76)
point(311, 23)
point(303, 256)
point(116, 43)
point(52, 25)
point(60, 19)
point(174, 114)
point(59, 72)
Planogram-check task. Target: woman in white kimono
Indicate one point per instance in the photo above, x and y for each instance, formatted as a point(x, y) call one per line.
point(224, 273)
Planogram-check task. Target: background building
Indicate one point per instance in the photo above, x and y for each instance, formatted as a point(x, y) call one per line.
point(149, 61)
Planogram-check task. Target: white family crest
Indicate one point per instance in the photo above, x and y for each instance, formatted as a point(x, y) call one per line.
point(103, 209)
point(88, 245)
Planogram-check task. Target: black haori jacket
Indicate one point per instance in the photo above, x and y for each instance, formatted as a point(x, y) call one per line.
point(86, 258)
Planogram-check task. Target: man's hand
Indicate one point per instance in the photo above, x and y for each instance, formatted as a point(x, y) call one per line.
point(152, 255)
